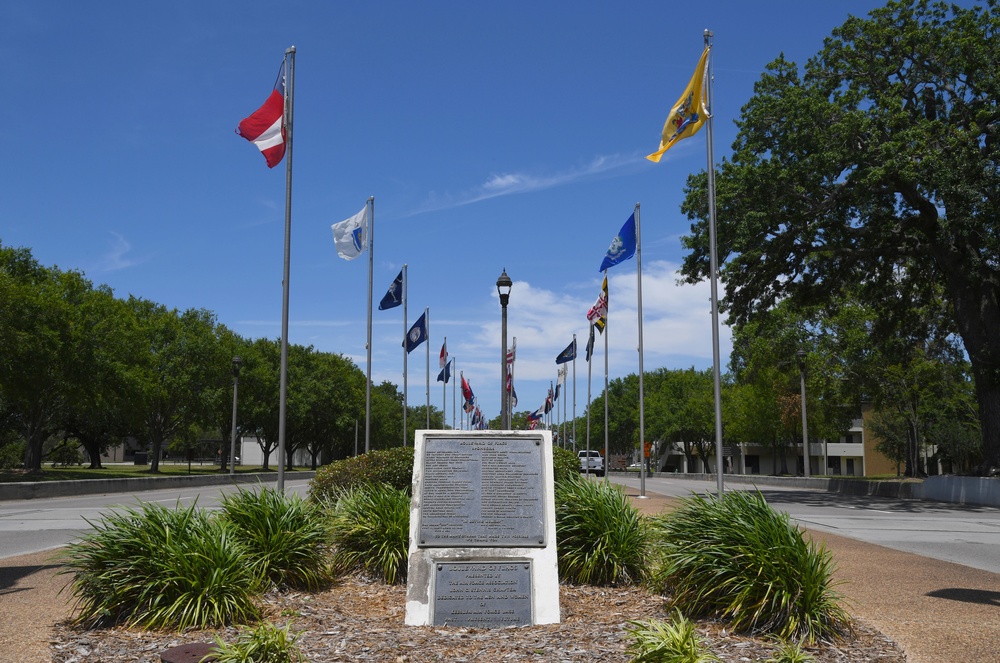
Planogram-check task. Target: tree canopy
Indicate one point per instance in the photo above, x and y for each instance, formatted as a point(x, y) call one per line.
point(875, 169)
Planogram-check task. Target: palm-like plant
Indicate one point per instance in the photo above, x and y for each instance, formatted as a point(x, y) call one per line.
point(602, 539)
point(735, 558)
point(284, 535)
point(370, 526)
point(160, 568)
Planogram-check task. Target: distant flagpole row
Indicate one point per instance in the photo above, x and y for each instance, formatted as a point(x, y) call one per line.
point(270, 128)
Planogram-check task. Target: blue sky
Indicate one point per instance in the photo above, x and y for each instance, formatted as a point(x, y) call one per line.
point(492, 136)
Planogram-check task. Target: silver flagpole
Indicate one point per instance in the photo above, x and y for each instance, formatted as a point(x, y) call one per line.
point(454, 397)
point(427, 323)
point(574, 391)
point(607, 326)
point(444, 390)
point(405, 355)
point(590, 365)
point(368, 345)
point(564, 413)
point(283, 395)
point(642, 411)
point(714, 268)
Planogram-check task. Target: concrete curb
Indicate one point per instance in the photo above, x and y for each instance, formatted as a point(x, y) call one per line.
point(40, 489)
point(979, 491)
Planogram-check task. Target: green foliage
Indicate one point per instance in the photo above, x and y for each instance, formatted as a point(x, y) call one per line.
point(11, 455)
point(266, 643)
point(733, 557)
point(370, 527)
point(602, 539)
point(789, 651)
point(160, 568)
point(565, 465)
point(284, 535)
point(65, 455)
point(390, 466)
point(656, 641)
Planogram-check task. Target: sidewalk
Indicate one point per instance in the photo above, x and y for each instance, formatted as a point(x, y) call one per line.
point(936, 611)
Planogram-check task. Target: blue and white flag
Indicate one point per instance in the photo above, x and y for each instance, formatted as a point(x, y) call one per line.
point(350, 236)
point(622, 246)
point(445, 373)
point(417, 333)
point(569, 354)
point(394, 296)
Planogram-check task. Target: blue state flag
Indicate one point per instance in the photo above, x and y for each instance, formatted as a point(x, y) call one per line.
point(445, 373)
point(394, 296)
point(622, 247)
point(569, 354)
point(417, 333)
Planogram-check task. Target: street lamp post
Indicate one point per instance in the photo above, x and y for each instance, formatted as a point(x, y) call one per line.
point(232, 441)
point(503, 289)
point(801, 355)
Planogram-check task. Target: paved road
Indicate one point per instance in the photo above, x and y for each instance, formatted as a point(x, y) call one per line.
point(30, 526)
point(967, 535)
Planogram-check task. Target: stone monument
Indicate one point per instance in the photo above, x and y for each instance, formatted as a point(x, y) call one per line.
point(482, 530)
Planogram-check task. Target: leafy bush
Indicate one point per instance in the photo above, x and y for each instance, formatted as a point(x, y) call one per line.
point(370, 527)
point(734, 557)
point(264, 644)
point(284, 535)
point(12, 455)
point(390, 466)
point(161, 568)
point(66, 455)
point(565, 464)
point(602, 539)
point(667, 642)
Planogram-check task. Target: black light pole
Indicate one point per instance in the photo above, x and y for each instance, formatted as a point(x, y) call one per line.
point(232, 442)
point(801, 355)
point(503, 289)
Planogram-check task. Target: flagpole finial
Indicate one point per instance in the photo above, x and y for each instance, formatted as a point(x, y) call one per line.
point(291, 49)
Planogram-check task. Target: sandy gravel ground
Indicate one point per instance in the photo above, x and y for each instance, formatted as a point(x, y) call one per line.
point(937, 611)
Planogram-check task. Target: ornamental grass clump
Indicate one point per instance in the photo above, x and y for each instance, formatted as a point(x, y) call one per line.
point(155, 567)
point(370, 528)
point(265, 643)
point(602, 539)
point(285, 536)
point(734, 557)
point(676, 641)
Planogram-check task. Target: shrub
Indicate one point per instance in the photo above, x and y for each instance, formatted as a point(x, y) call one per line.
point(264, 644)
point(391, 466)
point(65, 455)
point(667, 642)
point(565, 465)
point(161, 568)
point(602, 539)
point(370, 527)
point(735, 558)
point(285, 536)
point(12, 455)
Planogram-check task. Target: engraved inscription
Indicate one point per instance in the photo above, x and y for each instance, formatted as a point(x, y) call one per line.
point(481, 492)
point(483, 595)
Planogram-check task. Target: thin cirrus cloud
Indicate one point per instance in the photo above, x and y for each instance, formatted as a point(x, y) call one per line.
point(508, 184)
point(117, 258)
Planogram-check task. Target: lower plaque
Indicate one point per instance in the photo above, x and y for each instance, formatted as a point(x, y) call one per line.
point(482, 595)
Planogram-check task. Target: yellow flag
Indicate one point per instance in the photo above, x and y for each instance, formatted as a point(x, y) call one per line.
point(688, 114)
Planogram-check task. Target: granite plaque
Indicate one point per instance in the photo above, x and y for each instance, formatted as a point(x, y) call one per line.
point(481, 492)
point(482, 595)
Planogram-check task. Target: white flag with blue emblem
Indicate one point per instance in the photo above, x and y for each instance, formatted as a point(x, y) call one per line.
point(351, 235)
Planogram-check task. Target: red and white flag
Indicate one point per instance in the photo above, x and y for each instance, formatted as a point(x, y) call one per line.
point(266, 127)
point(443, 360)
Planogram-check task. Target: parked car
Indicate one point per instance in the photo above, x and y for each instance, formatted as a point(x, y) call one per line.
point(591, 461)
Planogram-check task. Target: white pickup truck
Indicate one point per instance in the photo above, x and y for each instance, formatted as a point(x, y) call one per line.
point(591, 461)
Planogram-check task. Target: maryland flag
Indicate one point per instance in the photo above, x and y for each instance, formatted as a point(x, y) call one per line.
point(598, 313)
point(690, 111)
